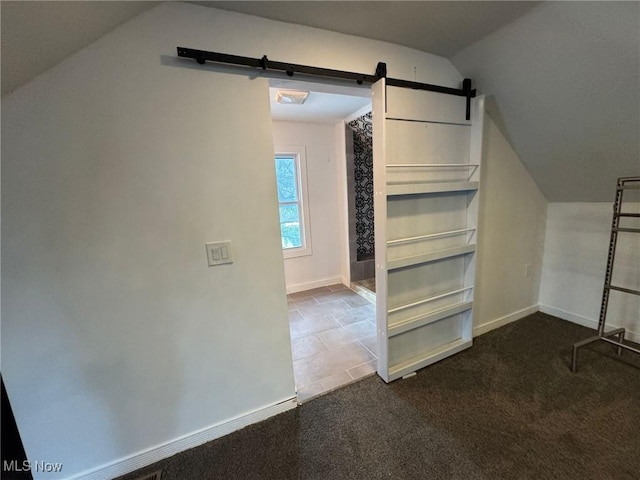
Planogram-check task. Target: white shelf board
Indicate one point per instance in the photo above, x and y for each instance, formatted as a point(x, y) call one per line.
point(427, 300)
point(430, 257)
point(422, 320)
point(426, 359)
point(419, 188)
point(432, 165)
point(435, 122)
point(429, 236)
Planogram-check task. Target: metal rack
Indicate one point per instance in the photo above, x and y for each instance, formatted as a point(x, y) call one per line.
point(624, 183)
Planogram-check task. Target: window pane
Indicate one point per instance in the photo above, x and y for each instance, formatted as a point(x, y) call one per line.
point(290, 226)
point(286, 176)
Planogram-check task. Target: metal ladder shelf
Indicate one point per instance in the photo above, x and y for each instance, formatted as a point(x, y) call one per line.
point(624, 183)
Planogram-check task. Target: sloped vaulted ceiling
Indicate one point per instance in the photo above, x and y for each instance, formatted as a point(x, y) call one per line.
point(565, 85)
point(564, 77)
point(38, 35)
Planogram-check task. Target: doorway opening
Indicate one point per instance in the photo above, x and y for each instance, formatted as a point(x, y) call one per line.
point(359, 148)
point(324, 176)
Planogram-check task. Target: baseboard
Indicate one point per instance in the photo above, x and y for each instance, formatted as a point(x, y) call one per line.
point(323, 282)
point(499, 322)
point(571, 317)
point(160, 452)
point(585, 322)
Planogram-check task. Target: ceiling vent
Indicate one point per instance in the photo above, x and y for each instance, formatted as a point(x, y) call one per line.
point(291, 97)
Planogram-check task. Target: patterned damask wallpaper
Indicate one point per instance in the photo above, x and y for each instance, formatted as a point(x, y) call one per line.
point(363, 179)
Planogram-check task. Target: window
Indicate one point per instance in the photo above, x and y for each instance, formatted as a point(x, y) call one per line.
point(292, 201)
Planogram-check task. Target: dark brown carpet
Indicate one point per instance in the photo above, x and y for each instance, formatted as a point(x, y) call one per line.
point(508, 408)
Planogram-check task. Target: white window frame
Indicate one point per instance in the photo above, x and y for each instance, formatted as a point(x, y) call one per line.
point(299, 154)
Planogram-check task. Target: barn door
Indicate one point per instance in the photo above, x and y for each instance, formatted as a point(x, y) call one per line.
point(426, 178)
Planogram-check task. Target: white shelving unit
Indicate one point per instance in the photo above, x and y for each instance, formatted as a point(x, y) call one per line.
point(426, 180)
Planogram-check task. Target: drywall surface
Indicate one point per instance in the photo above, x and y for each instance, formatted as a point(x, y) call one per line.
point(322, 267)
point(511, 235)
point(575, 261)
point(117, 336)
point(55, 31)
point(340, 154)
point(118, 164)
point(565, 77)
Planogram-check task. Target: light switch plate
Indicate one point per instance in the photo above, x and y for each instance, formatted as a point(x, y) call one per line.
point(219, 253)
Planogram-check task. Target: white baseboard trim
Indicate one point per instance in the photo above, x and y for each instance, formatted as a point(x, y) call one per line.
point(322, 282)
point(584, 321)
point(160, 452)
point(499, 322)
point(571, 317)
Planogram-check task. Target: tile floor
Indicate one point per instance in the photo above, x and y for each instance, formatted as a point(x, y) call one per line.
point(333, 338)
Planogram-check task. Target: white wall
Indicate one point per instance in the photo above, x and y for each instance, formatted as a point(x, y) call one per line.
point(340, 154)
point(322, 267)
point(511, 236)
point(117, 336)
point(118, 165)
point(575, 260)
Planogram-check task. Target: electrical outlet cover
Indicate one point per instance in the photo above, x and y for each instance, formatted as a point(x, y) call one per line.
point(219, 253)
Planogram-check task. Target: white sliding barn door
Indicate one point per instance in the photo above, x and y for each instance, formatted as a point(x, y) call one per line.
point(426, 174)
